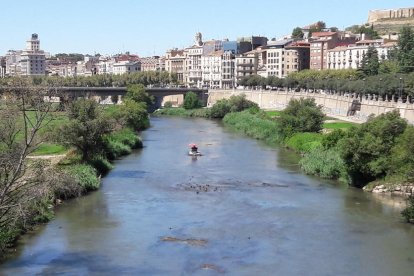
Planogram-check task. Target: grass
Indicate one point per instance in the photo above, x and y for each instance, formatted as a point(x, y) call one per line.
point(304, 141)
point(273, 113)
point(48, 149)
point(338, 125)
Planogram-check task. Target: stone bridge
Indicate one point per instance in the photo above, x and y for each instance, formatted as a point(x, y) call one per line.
point(346, 106)
point(161, 95)
point(106, 95)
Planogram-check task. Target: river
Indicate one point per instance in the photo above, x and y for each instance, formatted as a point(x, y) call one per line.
point(243, 208)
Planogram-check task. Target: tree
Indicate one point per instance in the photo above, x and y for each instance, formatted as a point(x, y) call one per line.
point(402, 155)
point(317, 27)
point(191, 101)
point(301, 115)
point(137, 93)
point(297, 33)
point(233, 104)
point(369, 32)
point(23, 113)
point(135, 114)
point(370, 63)
point(366, 149)
point(86, 127)
point(405, 50)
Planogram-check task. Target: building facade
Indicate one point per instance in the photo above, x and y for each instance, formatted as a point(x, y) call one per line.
point(175, 62)
point(350, 57)
point(32, 59)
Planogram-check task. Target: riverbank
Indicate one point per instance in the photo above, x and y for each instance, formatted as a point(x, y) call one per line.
point(63, 177)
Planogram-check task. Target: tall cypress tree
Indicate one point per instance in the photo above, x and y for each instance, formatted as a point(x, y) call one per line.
point(405, 50)
point(370, 63)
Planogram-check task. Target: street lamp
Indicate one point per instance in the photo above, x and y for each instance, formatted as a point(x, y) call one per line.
point(401, 88)
point(364, 90)
point(380, 89)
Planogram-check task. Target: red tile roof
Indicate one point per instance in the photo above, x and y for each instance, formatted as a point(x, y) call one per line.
point(320, 34)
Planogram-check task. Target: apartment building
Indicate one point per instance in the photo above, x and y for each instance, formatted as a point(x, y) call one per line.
point(2, 67)
point(126, 67)
point(347, 57)
point(154, 63)
point(175, 62)
point(247, 64)
point(218, 69)
point(320, 43)
point(297, 57)
point(276, 58)
point(32, 59)
point(13, 63)
point(28, 62)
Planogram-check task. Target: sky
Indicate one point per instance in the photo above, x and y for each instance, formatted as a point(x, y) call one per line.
point(151, 27)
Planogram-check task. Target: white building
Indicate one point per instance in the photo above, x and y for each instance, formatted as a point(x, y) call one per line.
point(28, 62)
point(126, 67)
point(13, 63)
point(218, 69)
point(175, 63)
point(352, 55)
point(154, 63)
point(32, 59)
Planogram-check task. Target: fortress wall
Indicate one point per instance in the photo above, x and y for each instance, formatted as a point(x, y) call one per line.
point(375, 15)
point(335, 105)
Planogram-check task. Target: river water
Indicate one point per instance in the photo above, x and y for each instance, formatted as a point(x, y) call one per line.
point(243, 208)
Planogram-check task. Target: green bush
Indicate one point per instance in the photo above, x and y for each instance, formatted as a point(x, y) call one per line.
point(135, 114)
point(115, 149)
point(168, 104)
point(220, 109)
point(366, 149)
point(301, 115)
point(7, 238)
point(233, 104)
point(331, 139)
point(42, 209)
point(253, 125)
point(326, 163)
point(86, 177)
point(191, 101)
point(402, 155)
point(408, 213)
point(127, 137)
point(179, 111)
point(101, 164)
point(304, 142)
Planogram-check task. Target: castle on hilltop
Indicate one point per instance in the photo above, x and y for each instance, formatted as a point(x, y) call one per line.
point(377, 15)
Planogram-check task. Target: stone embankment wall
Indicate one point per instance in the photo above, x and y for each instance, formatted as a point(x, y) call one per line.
point(335, 105)
point(377, 15)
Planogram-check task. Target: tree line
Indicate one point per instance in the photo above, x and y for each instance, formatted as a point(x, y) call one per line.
point(103, 80)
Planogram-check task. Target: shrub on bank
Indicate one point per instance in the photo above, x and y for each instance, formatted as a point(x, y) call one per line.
point(408, 213)
point(301, 115)
point(326, 163)
point(86, 176)
point(304, 142)
point(179, 111)
point(253, 125)
point(101, 165)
